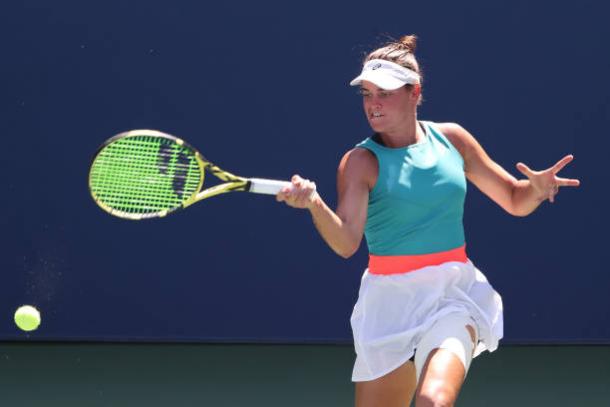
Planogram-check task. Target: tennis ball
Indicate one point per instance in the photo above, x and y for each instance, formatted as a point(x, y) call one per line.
point(27, 318)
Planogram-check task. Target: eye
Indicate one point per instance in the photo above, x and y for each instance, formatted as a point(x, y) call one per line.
point(364, 93)
point(385, 94)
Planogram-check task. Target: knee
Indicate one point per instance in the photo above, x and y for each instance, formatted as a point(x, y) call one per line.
point(435, 397)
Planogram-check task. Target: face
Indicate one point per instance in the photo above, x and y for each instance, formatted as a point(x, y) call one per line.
point(388, 110)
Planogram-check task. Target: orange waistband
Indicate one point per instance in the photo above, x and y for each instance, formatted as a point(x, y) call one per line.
point(404, 264)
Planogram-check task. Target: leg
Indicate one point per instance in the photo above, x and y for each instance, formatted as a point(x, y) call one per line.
point(442, 380)
point(395, 389)
point(444, 357)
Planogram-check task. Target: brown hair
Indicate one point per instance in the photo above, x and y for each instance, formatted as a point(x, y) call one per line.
point(401, 52)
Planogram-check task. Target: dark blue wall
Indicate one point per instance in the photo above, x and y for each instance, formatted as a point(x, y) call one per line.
point(261, 88)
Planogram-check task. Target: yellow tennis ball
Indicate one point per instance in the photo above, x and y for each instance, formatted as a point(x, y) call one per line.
point(27, 318)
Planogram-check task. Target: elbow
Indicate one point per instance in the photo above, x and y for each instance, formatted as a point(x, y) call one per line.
point(347, 251)
point(346, 255)
point(517, 212)
point(520, 214)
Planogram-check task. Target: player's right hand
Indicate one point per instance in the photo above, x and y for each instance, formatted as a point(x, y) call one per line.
point(302, 194)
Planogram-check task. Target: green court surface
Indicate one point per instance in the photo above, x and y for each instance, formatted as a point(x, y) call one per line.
point(87, 374)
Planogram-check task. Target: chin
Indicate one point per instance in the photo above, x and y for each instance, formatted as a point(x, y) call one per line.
point(377, 128)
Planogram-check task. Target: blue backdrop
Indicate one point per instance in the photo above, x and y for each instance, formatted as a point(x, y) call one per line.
point(261, 88)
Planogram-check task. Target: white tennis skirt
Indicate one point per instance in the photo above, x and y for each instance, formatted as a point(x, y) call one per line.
point(394, 311)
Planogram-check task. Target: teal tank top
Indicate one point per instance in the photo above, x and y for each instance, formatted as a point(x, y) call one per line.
point(417, 203)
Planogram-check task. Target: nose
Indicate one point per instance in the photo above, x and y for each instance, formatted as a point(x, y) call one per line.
point(373, 101)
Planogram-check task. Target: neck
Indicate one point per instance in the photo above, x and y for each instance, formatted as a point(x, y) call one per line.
point(410, 132)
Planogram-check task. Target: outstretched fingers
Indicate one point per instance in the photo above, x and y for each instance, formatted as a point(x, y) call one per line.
point(567, 182)
point(525, 170)
point(564, 182)
point(562, 163)
point(546, 182)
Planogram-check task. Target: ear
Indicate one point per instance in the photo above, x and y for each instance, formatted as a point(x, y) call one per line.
point(416, 90)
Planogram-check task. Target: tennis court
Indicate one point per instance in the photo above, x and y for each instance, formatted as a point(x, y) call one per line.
point(66, 375)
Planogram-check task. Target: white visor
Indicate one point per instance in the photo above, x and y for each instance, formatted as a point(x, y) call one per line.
point(385, 74)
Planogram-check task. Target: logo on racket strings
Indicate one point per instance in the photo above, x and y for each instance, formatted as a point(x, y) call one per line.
point(171, 156)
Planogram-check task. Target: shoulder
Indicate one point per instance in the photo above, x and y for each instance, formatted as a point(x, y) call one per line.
point(360, 153)
point(461, 139)
point(359, 159)
point(360, 165)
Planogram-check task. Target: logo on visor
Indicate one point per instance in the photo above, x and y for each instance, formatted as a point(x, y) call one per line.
point(376, 66)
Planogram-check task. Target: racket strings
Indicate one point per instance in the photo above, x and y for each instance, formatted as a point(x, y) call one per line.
point(144, 174)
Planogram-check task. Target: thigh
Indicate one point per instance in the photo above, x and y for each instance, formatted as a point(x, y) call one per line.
point(395, 389)
point(442, 379)
point(444, 358)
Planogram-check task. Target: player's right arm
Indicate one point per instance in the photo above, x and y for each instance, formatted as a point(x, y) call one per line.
point(341, 229)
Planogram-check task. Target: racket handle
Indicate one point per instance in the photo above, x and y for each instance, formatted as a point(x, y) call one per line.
point(267, 186)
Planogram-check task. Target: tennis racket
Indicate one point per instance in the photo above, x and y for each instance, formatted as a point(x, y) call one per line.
point(142, 174)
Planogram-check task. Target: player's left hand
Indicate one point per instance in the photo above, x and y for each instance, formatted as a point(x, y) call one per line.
point(546, 183)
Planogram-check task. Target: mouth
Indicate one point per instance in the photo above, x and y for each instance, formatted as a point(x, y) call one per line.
point(375, 115)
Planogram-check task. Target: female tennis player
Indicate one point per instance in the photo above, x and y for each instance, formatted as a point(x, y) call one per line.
point(424, 310)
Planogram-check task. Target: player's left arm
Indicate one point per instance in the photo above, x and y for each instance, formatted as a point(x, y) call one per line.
point(517, 197)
